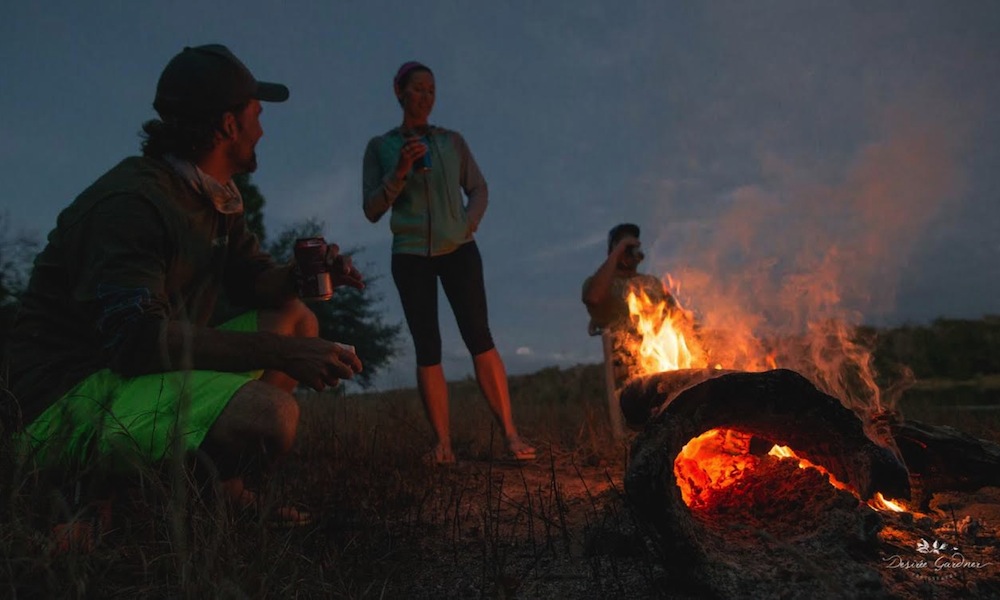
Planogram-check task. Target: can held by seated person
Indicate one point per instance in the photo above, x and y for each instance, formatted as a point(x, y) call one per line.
point(314, 281)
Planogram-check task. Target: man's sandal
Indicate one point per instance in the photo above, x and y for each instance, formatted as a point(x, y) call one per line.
point(247, 502)
point(287, 517)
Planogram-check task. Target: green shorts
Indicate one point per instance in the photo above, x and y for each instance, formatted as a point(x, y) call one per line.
point(122, 422)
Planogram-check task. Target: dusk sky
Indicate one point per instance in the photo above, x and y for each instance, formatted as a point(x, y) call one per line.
point(787, 160)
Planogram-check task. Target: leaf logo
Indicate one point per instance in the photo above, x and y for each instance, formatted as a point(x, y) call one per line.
point(925, 547)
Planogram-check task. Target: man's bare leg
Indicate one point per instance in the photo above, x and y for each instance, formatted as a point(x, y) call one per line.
point(257, 426)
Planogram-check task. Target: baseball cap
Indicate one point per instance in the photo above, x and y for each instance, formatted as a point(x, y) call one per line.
point(620, 230)
point(207, 79)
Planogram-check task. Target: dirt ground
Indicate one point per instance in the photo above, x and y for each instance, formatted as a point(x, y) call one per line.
point(544, 529)
point(556, 529)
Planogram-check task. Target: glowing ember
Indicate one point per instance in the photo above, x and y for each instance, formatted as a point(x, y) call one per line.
point(782, 452)
point(718, 458)
point(664, 345)
point(786, 452)
point(710, 462)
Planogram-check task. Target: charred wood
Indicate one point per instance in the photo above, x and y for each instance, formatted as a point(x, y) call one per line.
point(779, 406)
point(942, 458)
point(761, 543)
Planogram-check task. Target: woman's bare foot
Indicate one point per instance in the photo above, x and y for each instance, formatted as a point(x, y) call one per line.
point(440, 455)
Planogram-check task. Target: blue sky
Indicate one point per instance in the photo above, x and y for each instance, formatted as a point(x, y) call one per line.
point(786, 159)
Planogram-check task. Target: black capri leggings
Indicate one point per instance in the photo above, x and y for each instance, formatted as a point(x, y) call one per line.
point(461, 274)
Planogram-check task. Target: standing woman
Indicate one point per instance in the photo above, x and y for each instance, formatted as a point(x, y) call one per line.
point(420, 171)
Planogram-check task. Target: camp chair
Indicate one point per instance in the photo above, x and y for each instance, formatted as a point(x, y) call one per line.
point(614, 410)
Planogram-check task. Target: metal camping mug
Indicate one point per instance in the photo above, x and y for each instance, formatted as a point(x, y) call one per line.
point(314, 277)
point(424, 162)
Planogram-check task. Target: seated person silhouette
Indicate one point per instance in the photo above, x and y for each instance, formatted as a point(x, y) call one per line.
point(605, 293)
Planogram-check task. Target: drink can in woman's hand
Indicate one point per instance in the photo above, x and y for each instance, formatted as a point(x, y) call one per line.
point(314, 281)
point(424, 162)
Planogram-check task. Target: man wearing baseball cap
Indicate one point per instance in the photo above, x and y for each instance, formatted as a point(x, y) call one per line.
point(115, 361)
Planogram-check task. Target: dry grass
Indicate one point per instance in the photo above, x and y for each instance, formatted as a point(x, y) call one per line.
point(387, 525)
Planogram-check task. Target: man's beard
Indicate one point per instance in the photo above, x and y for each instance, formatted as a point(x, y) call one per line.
point(246, 164)
point(252, 163)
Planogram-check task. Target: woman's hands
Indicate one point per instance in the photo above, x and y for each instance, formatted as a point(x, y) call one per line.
point(408, 154)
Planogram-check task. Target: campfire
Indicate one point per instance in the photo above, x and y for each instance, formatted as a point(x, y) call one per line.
point(737, 455)
point(711, 463)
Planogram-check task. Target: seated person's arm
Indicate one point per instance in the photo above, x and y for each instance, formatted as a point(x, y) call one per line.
point(597, 288)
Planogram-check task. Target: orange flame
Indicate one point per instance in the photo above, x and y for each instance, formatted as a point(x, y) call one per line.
point(666, 338)
point(663, 345)
point(880, 502)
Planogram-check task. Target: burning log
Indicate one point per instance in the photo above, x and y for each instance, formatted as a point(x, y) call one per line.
point(778, 407)
point(938, 458)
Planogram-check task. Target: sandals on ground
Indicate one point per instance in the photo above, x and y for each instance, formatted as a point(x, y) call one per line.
point(521, 451)
point(288, 516)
